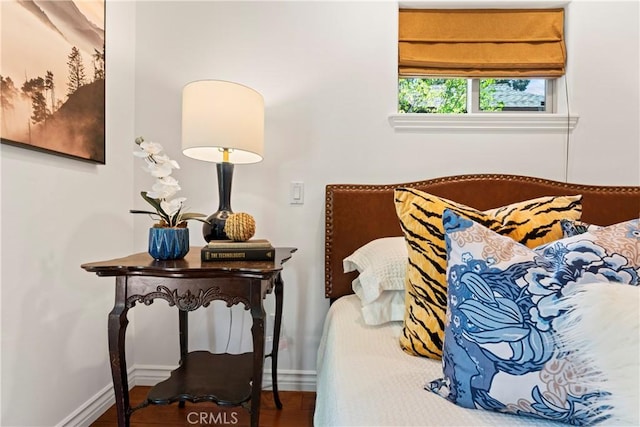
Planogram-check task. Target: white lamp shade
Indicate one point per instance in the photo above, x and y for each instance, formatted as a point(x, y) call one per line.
point(218, 114)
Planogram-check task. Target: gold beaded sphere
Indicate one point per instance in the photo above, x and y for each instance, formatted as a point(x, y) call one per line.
point(240, 226)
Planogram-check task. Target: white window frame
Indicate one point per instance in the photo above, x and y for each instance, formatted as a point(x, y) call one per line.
point(496, 121)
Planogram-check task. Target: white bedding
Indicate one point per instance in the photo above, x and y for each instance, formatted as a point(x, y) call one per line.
point(365, 379)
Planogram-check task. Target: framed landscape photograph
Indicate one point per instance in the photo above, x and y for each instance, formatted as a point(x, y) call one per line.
point(52, 75)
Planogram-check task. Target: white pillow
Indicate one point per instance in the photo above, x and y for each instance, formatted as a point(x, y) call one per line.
point(388, 307)
point(381, 265)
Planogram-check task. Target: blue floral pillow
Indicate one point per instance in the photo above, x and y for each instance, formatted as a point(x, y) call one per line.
point(572, 227)
point(500, 350)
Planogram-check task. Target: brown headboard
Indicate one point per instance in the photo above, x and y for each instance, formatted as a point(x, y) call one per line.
point(356, 214)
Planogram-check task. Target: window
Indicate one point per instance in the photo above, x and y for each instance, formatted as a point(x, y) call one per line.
point(479, 60)
point(459, 95)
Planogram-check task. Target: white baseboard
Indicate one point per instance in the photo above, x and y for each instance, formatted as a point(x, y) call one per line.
point(291, 380)
point(149, 375)
point(93, 408)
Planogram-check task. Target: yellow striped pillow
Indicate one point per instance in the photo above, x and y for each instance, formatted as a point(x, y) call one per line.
point(532, 223)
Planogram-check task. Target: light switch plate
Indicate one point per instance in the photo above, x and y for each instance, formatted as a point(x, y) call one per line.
point(296, 193)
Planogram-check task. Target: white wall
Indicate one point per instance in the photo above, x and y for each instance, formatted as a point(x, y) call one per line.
point(327, 71)
point(58, 213)
point(604, 86)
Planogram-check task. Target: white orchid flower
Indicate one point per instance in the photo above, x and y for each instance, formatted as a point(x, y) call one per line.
point(160, 166)
point(171, 207)
point(164, 188)
point(159, 170)
point(169, 180)
point(163, 159)
point(151, 148)
point(148, 149)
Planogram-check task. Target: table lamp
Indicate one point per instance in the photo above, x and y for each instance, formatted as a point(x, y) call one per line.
point(222, 122)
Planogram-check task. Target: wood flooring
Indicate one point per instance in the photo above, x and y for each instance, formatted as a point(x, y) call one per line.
point(297, 411)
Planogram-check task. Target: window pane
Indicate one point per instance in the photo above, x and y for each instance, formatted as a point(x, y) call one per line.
point(512, 95)
point(417, 95)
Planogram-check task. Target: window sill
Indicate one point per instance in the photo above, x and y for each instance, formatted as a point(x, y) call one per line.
point(483, 122)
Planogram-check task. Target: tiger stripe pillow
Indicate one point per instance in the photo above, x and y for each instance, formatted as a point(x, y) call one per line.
point(532, 223)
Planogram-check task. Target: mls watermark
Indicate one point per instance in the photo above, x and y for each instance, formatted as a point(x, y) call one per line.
point(217, 418)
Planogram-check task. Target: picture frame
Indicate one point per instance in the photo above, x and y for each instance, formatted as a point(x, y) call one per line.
point(52, 77)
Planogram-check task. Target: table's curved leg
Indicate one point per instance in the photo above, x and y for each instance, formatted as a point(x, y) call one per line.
point(257, 332)
point(278, 290)
point(183, 325)
point(117, 328)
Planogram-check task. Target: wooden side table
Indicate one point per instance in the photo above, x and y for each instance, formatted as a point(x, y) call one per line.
point(188, 284)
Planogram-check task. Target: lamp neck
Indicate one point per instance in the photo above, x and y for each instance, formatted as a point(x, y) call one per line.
point(225, 177)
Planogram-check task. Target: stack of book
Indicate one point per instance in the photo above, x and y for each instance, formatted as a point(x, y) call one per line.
point(228, 250)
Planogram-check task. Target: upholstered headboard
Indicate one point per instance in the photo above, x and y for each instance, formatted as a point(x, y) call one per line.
point(357, 213)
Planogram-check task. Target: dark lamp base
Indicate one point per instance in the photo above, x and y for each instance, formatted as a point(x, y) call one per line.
point(214, 230)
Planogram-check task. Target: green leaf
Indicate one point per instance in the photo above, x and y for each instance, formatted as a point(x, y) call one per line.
point(156, 204)
point(196, 216)
point(153, 202)
point(137, 211)
point(175, 219)
point(191, 215)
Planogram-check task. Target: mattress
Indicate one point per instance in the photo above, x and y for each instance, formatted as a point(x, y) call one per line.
point(365, 379)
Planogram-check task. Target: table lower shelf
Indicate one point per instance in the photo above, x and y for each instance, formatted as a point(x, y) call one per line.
point(207, 377)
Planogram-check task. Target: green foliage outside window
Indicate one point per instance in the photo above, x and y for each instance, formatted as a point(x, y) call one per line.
point(418, 95)
point(488, 101)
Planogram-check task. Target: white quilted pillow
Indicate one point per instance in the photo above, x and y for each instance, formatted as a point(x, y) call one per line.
point(381, 265)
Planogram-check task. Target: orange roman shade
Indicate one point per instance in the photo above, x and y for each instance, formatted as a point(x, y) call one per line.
point(481, 43)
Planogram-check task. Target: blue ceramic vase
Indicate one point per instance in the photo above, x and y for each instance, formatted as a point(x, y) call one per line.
point(168, 243)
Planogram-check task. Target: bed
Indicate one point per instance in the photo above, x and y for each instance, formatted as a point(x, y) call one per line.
point(364, 377)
